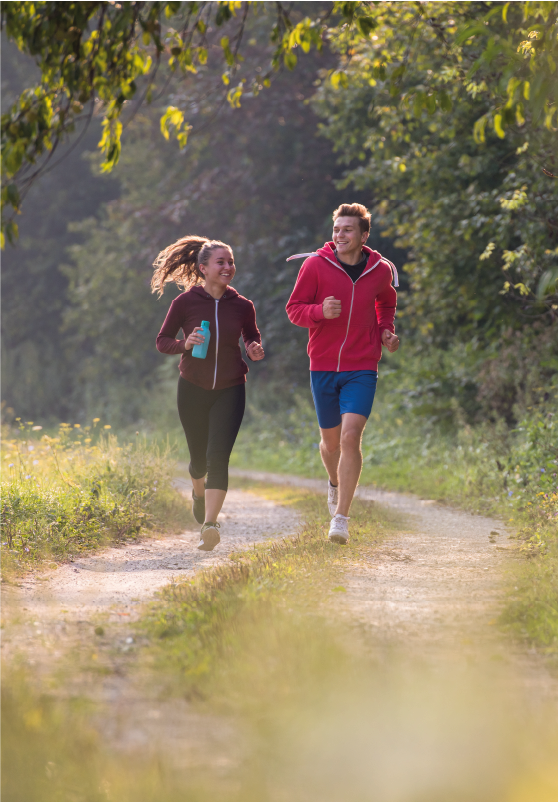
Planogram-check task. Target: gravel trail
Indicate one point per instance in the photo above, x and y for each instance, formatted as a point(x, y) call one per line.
point(429, 595)
point(117, 580)
point(433, 594)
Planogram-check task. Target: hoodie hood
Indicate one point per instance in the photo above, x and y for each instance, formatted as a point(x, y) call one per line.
point(328, 253)
point(201, 292)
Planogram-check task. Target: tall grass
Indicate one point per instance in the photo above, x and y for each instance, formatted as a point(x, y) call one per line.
point(76, 489)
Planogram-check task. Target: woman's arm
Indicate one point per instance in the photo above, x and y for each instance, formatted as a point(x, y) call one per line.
point(166, 339)
point(251, 335)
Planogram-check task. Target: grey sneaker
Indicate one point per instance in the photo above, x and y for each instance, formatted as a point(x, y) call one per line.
point(209, 536)
point(339, 530)
point(332, 498)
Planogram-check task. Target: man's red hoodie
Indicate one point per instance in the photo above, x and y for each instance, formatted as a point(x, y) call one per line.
point(351, 341)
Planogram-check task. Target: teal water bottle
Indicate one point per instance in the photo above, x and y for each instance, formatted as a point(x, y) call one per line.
point(200, 350)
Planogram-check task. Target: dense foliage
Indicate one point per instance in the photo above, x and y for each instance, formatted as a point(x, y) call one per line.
point(415, 107)
point(94, 57)
point(475, 211)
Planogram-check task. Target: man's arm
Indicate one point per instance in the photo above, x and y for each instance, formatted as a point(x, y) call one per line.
point(302, 308)
point(386, 304)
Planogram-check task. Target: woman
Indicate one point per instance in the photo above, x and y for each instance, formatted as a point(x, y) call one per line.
point(211, 391)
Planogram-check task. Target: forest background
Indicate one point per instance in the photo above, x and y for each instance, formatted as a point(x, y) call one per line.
point(440, 117)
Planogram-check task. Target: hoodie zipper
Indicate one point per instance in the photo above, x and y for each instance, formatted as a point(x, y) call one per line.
point(352, 299)
point(216, 341)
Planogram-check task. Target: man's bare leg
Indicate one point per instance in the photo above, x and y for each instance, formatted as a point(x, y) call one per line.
point(342, 457)
point(330, 452)
point(350, 463)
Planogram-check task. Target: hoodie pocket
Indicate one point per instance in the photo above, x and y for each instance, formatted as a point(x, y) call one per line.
point(325, 340)
point(359, 342)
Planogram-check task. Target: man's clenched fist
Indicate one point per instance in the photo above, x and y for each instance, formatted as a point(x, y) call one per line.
point(331, 307)
point(391, 341)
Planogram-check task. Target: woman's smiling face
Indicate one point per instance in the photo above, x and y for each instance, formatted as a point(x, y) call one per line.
point(219, 269)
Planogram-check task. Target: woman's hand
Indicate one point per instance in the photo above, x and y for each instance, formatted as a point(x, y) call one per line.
point(195, 338)
point(255, 352)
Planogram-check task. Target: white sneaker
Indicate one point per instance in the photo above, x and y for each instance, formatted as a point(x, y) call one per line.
point(339, 530)
point(332, 498)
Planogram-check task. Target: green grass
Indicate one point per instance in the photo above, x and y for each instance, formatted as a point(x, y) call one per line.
point(196, 623)
point(314, 712)
point(76, 490)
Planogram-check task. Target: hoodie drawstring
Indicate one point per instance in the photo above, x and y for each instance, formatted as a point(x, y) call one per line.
point(395, 274)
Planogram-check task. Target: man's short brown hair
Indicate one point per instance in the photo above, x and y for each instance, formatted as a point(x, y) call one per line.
point(354, 210)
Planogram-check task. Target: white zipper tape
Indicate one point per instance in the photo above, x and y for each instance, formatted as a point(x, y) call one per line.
point(216, 341)
point(382, 258)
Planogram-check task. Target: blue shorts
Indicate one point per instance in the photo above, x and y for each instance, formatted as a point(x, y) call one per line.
point(336, 393)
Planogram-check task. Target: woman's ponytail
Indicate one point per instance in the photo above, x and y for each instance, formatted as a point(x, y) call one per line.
point(180, 262)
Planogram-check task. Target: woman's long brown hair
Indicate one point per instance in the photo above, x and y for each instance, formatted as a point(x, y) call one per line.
point(180, 262)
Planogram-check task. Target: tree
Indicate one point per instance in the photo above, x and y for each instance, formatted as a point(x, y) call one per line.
point(443, 174)
point(93, 56)
point(477, 214)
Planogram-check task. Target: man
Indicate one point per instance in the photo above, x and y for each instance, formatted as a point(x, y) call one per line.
point(343, 295)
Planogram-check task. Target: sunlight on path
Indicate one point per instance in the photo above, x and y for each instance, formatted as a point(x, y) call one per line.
point(432, 596)
point(118, 579)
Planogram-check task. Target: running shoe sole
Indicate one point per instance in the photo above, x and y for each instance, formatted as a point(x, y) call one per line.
point(209, 539)
point(341, 539)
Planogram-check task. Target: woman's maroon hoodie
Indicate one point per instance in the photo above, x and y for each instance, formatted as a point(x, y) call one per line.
point(229, 318)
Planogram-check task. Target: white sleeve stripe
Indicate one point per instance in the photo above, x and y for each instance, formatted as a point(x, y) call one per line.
point(301, 256)
point(394, 269)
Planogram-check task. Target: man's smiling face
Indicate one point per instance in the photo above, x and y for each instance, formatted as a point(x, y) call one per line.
point(347, 236)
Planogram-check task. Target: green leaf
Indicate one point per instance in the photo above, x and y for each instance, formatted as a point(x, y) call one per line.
point(172, 117)
point(445, 101)
point(223, 14)
point(12, 195)
point(418, 103)
point(498, 126)
point(430, 102)
point(366, 25)
point(472, 30)
point(339, 78)
point(479, 129)
point(290, 59)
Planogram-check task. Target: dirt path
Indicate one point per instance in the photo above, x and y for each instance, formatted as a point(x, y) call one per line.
point(117, 580)
point(433, 593)
point(430, 594)
point(53, 614)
